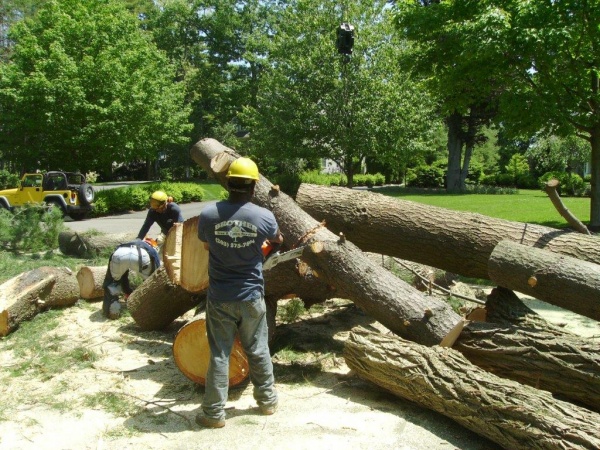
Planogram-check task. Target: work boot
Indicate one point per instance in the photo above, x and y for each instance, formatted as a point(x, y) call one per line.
point(114, 310)
point(209, 422)
point(268, 410)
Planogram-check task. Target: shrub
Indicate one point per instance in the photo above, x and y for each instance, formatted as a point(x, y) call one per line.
point(426, 176)
point(31, 227)
point(8, 180)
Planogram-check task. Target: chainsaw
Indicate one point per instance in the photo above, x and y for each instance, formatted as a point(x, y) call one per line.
point(273, 256)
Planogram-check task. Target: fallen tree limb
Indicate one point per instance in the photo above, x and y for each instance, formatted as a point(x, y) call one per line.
point(556, 279)
point(28, 294)
point(566, 366)
point(459, 242)
point(90, 245)
point(510, 414)
point(551, 190)
point(392, 302)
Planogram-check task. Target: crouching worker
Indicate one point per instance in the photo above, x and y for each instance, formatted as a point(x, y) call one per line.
point(140, 256)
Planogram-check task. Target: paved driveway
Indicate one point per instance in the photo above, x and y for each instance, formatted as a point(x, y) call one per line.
point(131, 221)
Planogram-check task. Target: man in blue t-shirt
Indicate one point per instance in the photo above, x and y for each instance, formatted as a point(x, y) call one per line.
point(233, 232)
point(164, 212)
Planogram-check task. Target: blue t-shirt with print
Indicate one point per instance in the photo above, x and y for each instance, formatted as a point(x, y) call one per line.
point(235, 233)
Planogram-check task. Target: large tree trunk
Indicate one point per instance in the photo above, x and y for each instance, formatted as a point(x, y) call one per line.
point(383, 296)
point(90, 281)
point(86, 245)
point(192, 353)
point(459, 242)
point(513, 415)
point(565, 366)
point(26, 295)
point(557, 279)
point(157, 302)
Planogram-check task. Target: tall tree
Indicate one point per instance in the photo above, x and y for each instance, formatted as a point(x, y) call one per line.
point(85, 87)
point(445, 51)
point(540, 60)
point(318, 101)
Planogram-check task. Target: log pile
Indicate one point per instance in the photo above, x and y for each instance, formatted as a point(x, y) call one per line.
point(522, 347)
point(505, 361)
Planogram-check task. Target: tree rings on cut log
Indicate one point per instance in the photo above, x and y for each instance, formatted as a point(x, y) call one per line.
point(185, 258)
point(192, 353)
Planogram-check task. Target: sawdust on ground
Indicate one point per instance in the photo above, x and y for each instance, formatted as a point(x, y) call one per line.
point(322, 405)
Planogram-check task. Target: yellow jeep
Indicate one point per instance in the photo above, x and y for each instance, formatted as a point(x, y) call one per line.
point(65, 190)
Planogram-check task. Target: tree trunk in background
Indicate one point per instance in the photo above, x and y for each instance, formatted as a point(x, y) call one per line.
point(455, 145)
point(383, 296)
point(458, 242)
point(510, 414)
point(556, 279)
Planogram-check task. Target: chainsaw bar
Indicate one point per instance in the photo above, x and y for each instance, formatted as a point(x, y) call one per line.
point(277, 258)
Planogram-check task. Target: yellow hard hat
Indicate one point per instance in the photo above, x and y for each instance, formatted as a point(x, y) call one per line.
point(243, 168)
point(158, 199)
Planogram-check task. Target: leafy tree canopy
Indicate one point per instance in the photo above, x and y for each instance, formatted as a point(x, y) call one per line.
point(85, 88)
point(314, 102)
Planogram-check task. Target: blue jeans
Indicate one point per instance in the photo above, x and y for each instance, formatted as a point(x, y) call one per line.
point(223, 321)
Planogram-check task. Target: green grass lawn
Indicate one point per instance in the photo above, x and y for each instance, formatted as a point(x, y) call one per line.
point(530, 206)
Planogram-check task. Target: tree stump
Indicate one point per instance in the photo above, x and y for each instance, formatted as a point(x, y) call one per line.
point(192, 353)
point(157, 302)
point(26, 295)
point(441, 379)
point(554, 278)
point(90, 281)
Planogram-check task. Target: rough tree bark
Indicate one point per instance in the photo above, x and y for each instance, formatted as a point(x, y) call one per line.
point(566, 366)
point(510, 414)
point(392, 302)
point(459, 242)
point(90, 281)
point(557, 279)
point(26, 295)
point(86, 245)
point(157, 302)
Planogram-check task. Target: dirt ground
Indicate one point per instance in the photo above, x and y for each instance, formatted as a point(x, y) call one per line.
point(133, 395)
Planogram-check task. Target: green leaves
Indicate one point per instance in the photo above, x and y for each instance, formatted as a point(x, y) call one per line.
point(87, 87)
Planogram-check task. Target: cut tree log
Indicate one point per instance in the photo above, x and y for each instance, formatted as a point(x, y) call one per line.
point(26, 295)
point(185, 258)
point(506, 412)
point(90, 281)
point(554, 278)
point(339, 263)
point(157, 302)
point(459, 242)
point(191, 353)
point(89, 245)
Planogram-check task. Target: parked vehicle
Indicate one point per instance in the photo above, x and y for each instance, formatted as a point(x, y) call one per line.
point(65, 190)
